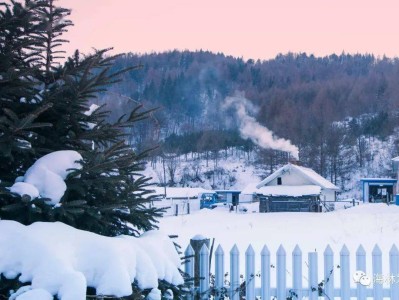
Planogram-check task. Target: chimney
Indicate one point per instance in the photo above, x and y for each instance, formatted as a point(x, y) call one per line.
point(292, 160)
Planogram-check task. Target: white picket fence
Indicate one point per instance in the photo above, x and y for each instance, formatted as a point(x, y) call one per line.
point(313, 290)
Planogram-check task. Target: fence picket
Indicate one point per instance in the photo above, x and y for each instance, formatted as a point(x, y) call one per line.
point(189, 268)
point(329, 272)
point(361, 266)
point(297, 272)
point(204, 272)
point(394, 271)
point(313, 278)
point(219, 268)
point(234, 273)
point(377, 272)
point(281, 273)
point(250, 273)
point(345, 273)
point(265, 273)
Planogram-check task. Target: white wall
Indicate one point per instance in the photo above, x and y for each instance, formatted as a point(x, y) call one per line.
point(327, 195)
point(246, 198)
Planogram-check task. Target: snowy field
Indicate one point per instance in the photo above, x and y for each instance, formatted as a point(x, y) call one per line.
point(366, 225)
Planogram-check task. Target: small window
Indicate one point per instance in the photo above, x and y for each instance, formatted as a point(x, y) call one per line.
point(278, 180)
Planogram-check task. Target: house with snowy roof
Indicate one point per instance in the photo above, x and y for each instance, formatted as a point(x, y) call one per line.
point(293, 188)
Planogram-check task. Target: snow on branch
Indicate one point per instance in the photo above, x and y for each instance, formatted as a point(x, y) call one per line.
point(45, 178)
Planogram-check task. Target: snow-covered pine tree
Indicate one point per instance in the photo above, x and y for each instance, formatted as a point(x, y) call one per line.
point(44, 108)
point(18, 109)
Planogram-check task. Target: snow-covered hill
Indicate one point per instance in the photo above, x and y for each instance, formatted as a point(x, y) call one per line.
point(235, 169)
point(231, 171)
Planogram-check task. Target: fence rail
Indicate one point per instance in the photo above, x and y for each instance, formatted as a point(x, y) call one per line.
point(317, 288)
point(177, 207)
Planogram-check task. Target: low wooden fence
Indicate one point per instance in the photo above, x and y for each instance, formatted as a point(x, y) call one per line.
point(376, 287)
point(177, 207)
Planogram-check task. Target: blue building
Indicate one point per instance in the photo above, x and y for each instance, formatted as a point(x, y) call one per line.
point(229, 196)
point(377, 190)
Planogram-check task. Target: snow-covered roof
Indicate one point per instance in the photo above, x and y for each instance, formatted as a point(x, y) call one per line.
point(290, 190)
point(179, 192)
point(311, 175)
point(396, 159)
point(378, 179)
point(283, 190)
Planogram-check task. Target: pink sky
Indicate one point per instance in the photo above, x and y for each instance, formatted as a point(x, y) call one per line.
point(251, 28)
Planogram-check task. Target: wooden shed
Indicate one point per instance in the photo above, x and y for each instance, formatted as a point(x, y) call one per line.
point(304, 198)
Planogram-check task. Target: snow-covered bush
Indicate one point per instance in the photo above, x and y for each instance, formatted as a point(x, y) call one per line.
point(64, 261)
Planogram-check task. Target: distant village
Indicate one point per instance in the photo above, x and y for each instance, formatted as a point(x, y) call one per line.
point(291, 188)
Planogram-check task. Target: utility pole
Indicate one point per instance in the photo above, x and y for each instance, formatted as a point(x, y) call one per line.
point(164, 174)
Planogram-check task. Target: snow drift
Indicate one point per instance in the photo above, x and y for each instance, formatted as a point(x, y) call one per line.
point(63, 261)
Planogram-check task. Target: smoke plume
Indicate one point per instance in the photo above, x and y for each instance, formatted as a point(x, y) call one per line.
point(250, 128)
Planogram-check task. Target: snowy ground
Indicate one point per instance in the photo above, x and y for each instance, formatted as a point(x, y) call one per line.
point(366, 225)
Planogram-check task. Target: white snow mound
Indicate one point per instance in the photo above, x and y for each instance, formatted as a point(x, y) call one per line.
point(46, 176)
point(63, 260)
point(23, 188)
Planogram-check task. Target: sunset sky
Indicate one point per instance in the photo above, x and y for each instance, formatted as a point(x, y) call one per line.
point(258, 29)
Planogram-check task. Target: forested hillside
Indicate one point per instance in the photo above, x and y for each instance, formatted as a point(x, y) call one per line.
point(334, 109)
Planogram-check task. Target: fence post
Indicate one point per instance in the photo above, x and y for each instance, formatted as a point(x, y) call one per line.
point(313, 276)
point(197, 242)
point(281, 273)
point(188, 208)
point(297, 271)
point(345, 273)
point(189, 269)
point(394, 271)
point(329, 272)
point(219, 270)
point(234, 273)
point(377, 272)
point(265, 273)
point(361, 266)
point(250, 273)
point(204, 272)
